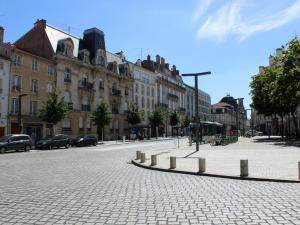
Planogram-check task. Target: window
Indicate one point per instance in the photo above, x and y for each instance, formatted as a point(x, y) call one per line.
point(148, 91)
point(85, 104)
point(137, 88)
point(84, 79)
point(152, 103)
point(17, 83)
point(33, 107)
point(136, 100)
point(114, 86)
point(80, 123)
point(67, 75)
point(17, 60)
point(50, 69)
point(143, 102)
point(143, 89)
point(34, 65)
point(152, 92)
point(101, 84)
point(34, 86)
point(14, 105)
point(1, 65)
point(88, 123)
point(1, 90)
point(126, 91)
point(148, 103)
point(125, 106)
point(66, 123)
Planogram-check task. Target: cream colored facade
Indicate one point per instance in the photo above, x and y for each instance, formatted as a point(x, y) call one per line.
point(34, 77)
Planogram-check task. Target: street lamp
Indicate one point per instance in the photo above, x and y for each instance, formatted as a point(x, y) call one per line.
point(195, 75)
point(237, 116)
point(20, 111)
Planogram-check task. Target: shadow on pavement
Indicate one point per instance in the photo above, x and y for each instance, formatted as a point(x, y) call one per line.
point(285, 142)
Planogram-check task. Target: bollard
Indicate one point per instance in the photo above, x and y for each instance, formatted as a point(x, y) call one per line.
point(153, 160)
point(201, 165)
point(244, 168)
point(138, 155)
point(190, 141)
point(143, 157)
point(299, 169)
point(124, 138)
point(172, 162)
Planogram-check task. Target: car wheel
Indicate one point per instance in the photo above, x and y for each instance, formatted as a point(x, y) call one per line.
point(27, 148)
point(67, 145)
point(2, 150)
point(50, 147)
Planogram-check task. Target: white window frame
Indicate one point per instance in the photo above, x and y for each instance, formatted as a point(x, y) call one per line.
point(34, 65)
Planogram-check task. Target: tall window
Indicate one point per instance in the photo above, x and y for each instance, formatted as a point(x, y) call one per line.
point(34, 86)
point(148, 91)
point(17, 83)
point(143, 102)
point(49, 88)
point(152, 92)
point(17, 60)
point(143, 89)
point(67, 97)
point(14, 105)
point(67, 75)
point(137, 88)
point(34, 65)
point(33, 107)
point(50, 69)
point(148, 103)
point(80, 123)
point(85, 104)
point(66, 124)
point(101, 84)
point(136, 100)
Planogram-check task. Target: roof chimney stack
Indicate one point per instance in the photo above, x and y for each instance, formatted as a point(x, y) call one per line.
point(1, 34)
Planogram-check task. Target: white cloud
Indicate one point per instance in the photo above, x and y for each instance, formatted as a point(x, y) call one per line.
point(201, 9)
point(228, 20)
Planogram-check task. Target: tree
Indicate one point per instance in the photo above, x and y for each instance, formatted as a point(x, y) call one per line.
point(54, 109)
point(174, 119)
point(156, 118)
point(134, 115)
point(186, 121)
point(101, 118)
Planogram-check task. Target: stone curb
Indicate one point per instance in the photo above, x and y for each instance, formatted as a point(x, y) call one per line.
point(213, 175)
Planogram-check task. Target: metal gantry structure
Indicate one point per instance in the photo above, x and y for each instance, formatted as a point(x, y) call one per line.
point(196, 75)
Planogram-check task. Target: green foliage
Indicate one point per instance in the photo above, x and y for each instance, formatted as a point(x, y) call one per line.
point(174, 118)
point(102, 116)
point(276, 91)
point(156, 118)
point(134, 115)
point(54, 109)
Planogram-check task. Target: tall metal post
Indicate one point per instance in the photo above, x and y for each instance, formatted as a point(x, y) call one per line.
point(195, 75)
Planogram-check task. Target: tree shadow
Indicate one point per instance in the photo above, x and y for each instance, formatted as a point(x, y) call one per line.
point(278, 141)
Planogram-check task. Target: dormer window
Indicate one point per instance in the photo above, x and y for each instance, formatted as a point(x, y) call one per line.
point(68, 51)
point(67, 75)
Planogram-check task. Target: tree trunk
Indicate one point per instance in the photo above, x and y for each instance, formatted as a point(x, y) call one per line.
point(296, 125)
point(156, 132)
point(281, 126)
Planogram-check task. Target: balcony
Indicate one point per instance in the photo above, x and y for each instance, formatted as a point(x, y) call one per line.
point(163, 105)
point(85, 108)
point(86, 86)
point(114, 111)
point(67, 80)
point(16, 88)
point(116, 92)
point(172, 96)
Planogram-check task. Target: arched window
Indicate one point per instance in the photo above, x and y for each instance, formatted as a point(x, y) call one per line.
point(67, 97)
point(101, 84)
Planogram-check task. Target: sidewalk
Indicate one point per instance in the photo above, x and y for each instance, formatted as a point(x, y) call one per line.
point(119, 142)
point(267, 160)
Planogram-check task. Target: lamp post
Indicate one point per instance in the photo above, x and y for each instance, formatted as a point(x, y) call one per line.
point(237, 116)
point(195, 75)
point(20, 111)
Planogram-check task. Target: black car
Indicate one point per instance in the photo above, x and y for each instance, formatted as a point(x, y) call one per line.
point(57, 141)
point(15, 142)
point(85, 140)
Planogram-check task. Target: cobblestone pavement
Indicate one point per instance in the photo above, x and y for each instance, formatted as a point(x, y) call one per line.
point(93, 186)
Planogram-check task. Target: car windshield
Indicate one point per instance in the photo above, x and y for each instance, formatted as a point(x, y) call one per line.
point(4, 138)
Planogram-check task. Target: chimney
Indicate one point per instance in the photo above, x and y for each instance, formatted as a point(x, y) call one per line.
point(158, 59)
point(167, 66)
point(271, 60)
point(279, 52)
point(139, 62)
point(1, 34)
point(42, 23)
point(261, 69)
point(162, 61)
point(174, 70)
point(148, 58)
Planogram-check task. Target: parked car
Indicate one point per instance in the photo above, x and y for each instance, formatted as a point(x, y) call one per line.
point(85, 140)
point(56, 141)
point(252, 133)
point(15, 142)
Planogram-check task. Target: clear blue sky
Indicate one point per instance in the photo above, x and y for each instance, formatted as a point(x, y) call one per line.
point(229, 38)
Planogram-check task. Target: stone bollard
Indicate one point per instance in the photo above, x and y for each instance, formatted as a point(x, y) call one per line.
point(143, 157)
point(190, 141)
point(299, 169)
point(138, 155)
point(244, 168)
point(201, 165)
point(172, 162)
point(153, 160)
point(124, 138)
